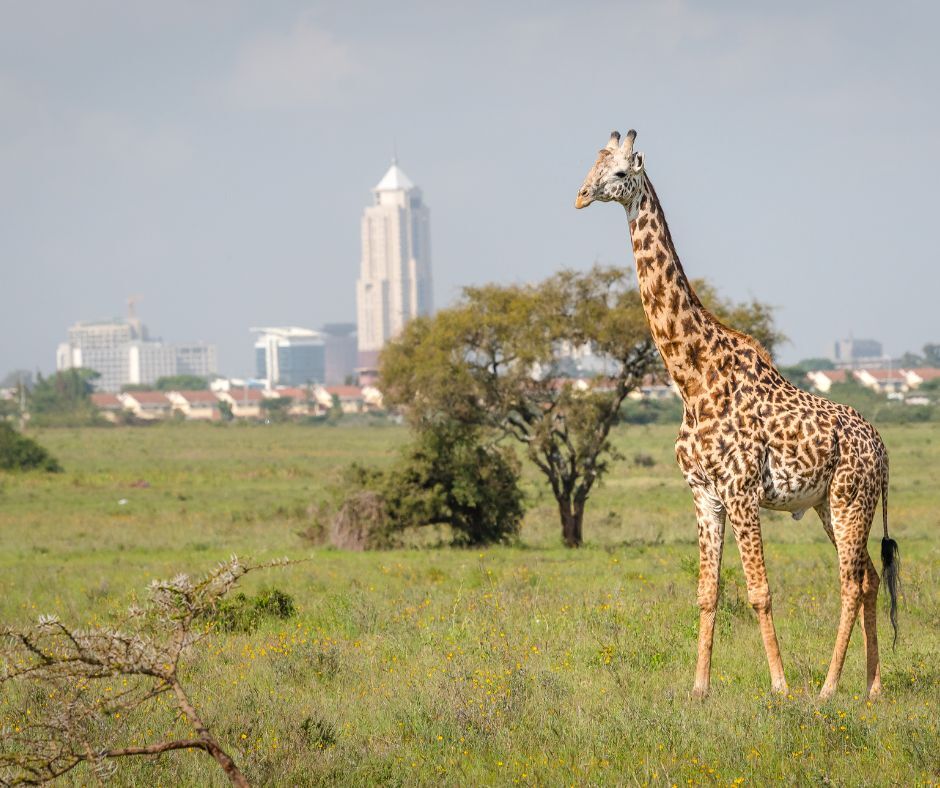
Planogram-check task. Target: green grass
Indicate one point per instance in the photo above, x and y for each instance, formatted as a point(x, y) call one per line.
point(532, 663)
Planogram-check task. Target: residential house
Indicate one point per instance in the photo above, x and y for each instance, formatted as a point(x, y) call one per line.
point(109, 406)
point(245, 402)
point(884, 381)
point(350, 398)
point(147, 405)
point(303, 400)
point(823, 379)
point(916, 377)
point(372, 398)
point(200, 405)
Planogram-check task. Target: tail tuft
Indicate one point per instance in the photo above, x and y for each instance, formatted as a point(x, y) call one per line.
point(890, 569)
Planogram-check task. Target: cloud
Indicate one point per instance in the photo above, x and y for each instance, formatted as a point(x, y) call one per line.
point(301, 68)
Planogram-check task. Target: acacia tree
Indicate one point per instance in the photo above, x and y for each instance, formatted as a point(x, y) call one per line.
point(501, 358)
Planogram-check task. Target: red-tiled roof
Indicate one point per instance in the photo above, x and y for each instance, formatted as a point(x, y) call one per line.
point(202, 397)
point(246, 395)
point(103, 400)
point(294, 393)
point(885, 374)
point(345, 392)
point(149, 397)
point(835, 375)
point(927, 373)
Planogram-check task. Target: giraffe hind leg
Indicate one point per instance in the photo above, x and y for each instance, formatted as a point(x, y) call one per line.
point(848, 527)
point(870, 627)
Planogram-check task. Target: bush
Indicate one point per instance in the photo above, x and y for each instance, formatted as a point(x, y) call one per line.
point(447, 476)
point(19, 453)
point(243, 613)
point(361, 523)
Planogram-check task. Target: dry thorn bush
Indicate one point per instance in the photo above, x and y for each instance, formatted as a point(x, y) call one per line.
point(69, 711)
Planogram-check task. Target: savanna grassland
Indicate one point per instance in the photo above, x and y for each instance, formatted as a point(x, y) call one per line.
point(530, 664)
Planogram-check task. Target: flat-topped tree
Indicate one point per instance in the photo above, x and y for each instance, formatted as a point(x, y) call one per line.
point(749, 438)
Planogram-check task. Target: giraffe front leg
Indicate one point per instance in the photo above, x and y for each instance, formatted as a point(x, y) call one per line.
point(745, 522)
point(711, 531)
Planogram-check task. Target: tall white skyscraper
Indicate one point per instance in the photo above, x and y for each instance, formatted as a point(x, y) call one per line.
point(395, 273)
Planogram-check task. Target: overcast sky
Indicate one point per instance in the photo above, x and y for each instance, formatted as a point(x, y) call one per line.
point(214, 158)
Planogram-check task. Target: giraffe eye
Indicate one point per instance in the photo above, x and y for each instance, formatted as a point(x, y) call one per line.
point(620, 174)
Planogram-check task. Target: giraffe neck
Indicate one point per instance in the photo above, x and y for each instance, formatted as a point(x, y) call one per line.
point(680, 326)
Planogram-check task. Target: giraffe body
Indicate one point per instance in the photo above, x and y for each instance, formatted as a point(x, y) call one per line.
point(750, 439)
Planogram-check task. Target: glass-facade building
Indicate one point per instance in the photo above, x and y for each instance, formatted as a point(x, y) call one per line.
point(290, 356)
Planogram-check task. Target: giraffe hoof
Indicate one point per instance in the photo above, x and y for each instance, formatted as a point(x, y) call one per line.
point(826, 693)
point(700, 693)
point(875, 692)
point(779, 687)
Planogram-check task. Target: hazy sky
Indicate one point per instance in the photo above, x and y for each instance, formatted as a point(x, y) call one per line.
point(214, 157)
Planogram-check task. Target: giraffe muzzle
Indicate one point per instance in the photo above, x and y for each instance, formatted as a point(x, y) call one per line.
point(583, 200)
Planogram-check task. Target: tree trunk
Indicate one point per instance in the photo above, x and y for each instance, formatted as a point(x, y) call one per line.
point(572, 516)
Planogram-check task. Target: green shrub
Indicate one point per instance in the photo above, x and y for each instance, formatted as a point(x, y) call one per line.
point(243, 613)
point(448, 475)
point(19, 453)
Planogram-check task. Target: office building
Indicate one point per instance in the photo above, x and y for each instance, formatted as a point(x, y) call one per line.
point(290, 356)
point(394, 283)
point(122, 353)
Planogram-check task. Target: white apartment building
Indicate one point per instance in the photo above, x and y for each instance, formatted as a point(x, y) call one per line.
point(394, 283)
point(121, 353)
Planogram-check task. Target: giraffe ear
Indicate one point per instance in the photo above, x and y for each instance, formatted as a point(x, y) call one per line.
point(638, 162)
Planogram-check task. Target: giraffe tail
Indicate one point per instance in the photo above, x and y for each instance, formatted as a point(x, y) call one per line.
point(890, 557)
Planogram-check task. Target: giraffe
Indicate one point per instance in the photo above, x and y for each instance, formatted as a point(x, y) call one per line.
point(749, 439)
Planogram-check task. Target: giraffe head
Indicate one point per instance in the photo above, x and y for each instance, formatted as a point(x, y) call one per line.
point(616, 175)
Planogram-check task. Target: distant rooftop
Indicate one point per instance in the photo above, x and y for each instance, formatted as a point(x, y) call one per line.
point(286, 332)
point(394, 180)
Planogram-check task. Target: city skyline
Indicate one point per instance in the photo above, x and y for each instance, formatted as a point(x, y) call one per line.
point(224, 182)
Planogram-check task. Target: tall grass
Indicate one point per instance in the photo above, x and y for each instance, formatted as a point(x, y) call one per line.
point(532, 663)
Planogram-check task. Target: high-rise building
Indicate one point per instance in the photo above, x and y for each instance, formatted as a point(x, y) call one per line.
point(341, 352)
point(853, 353)
point(395, 271)
point(121, 353)
point(290, 356)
